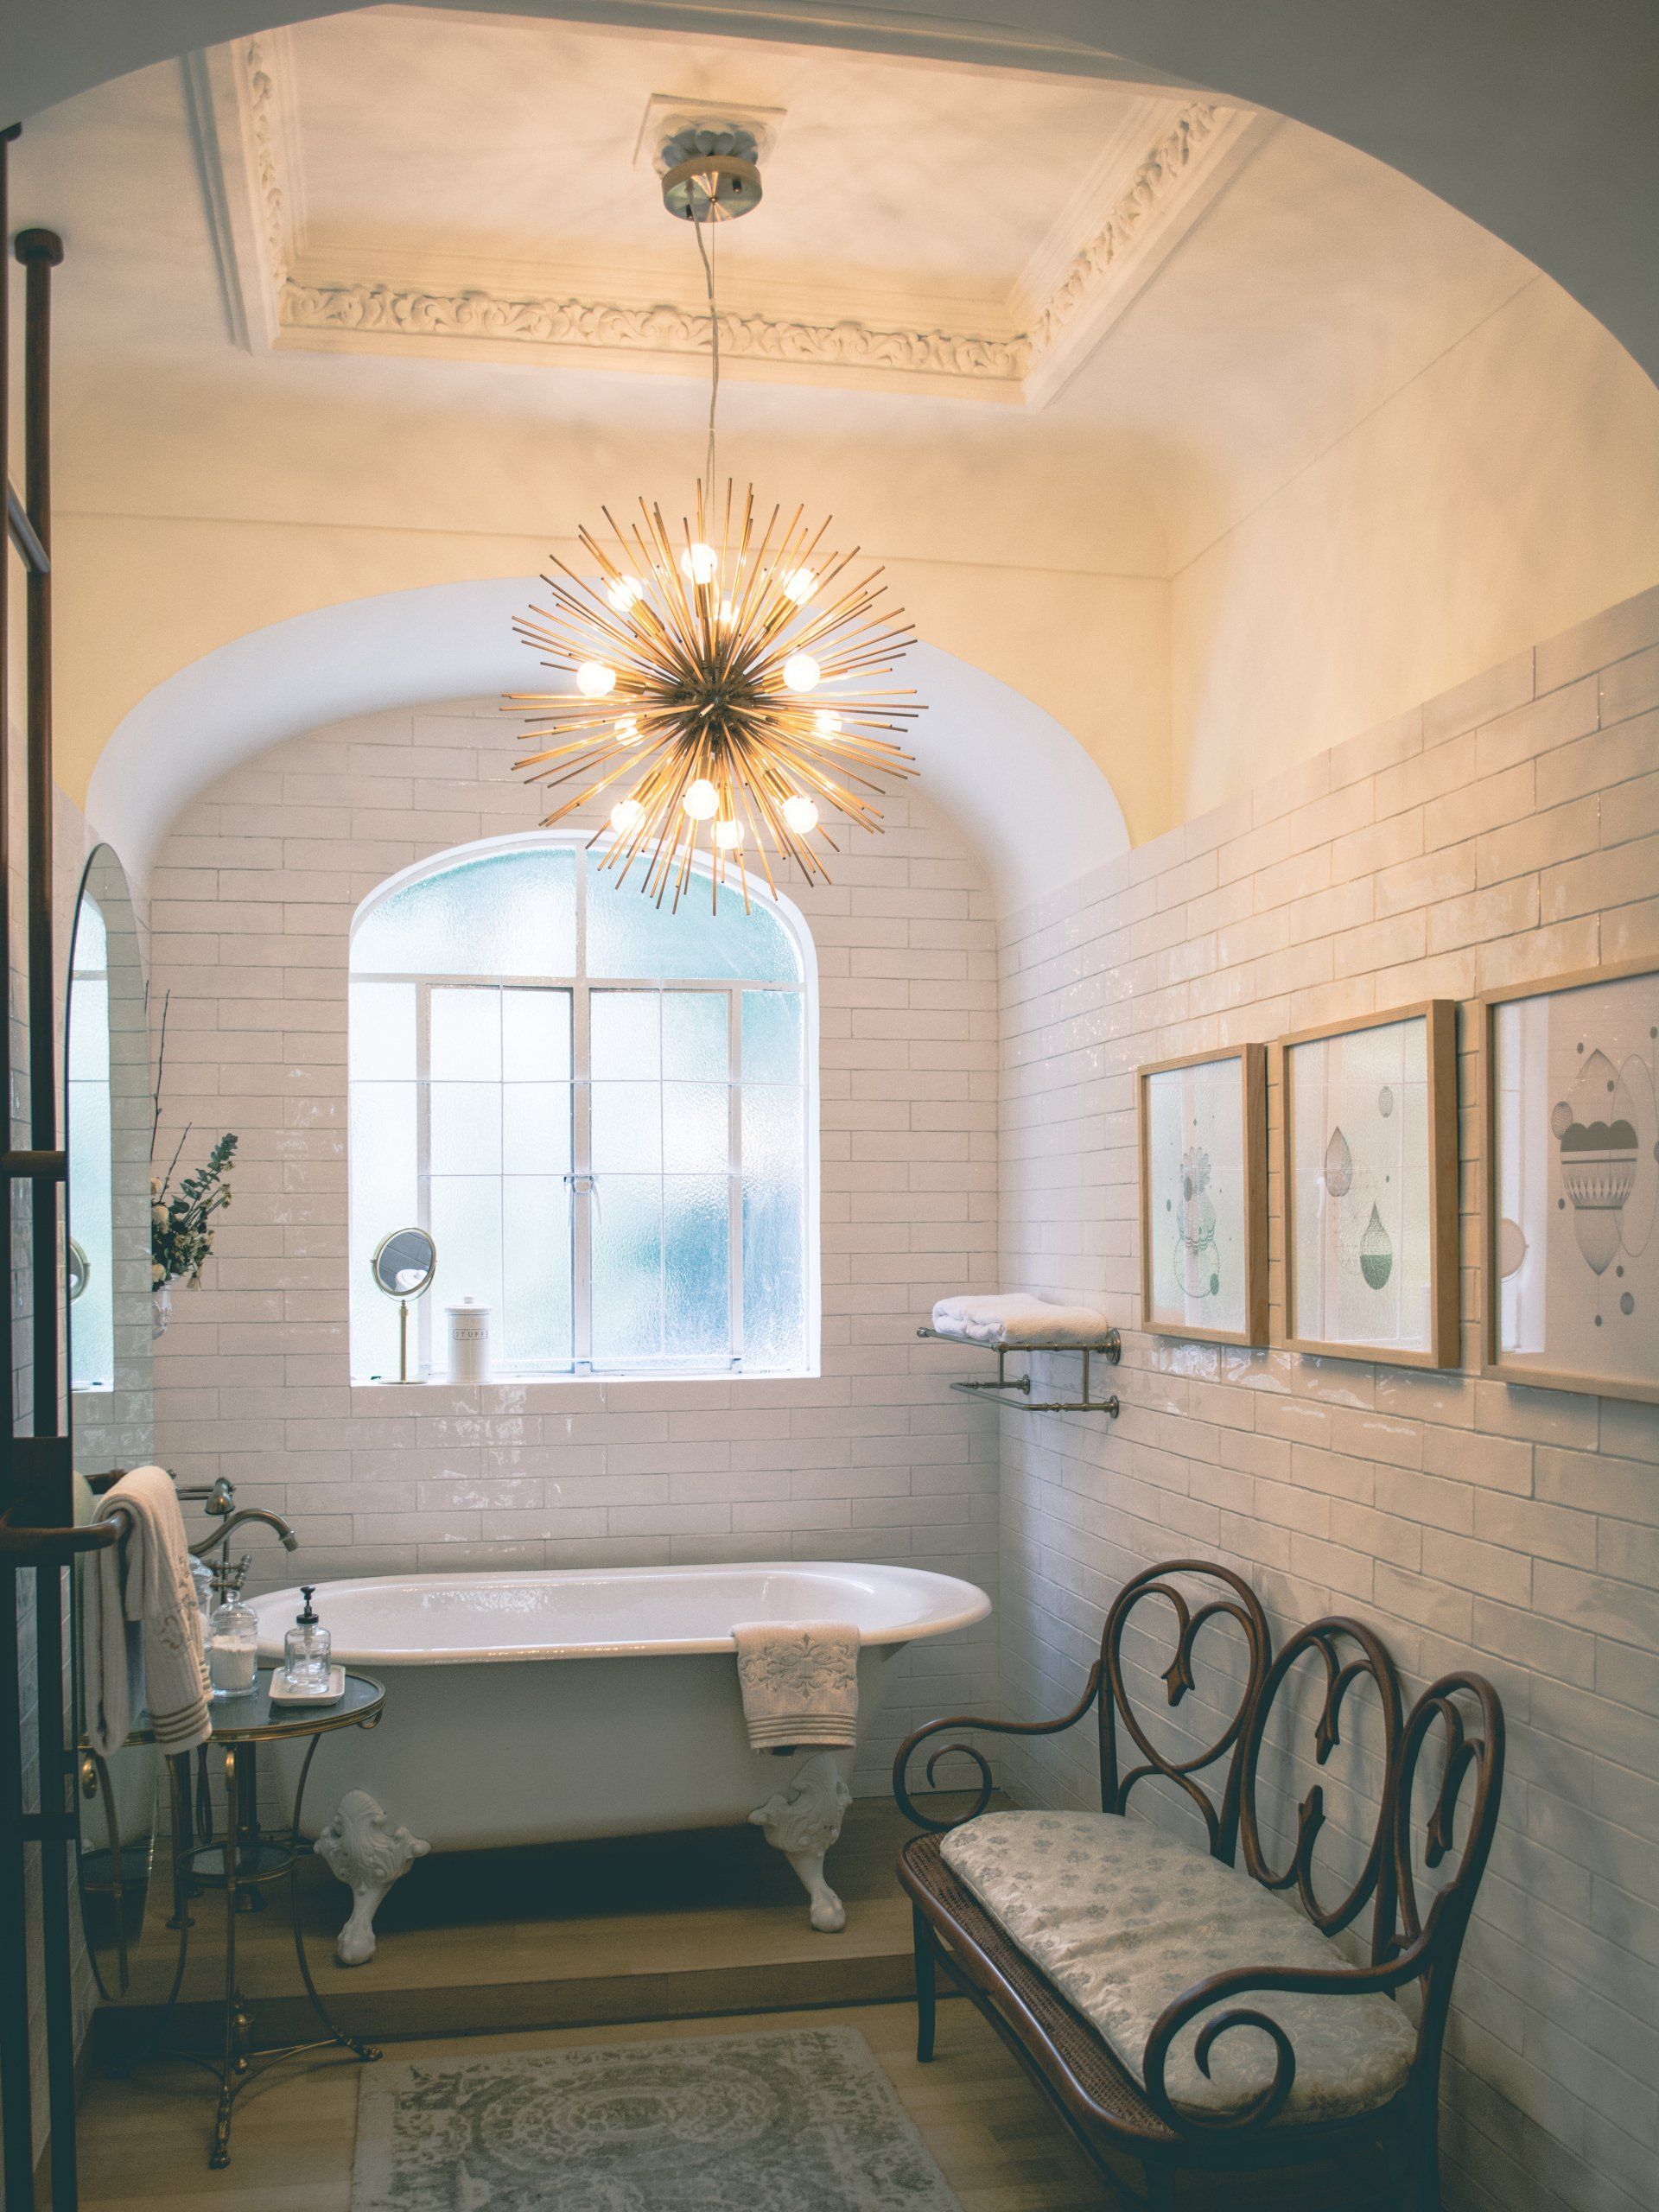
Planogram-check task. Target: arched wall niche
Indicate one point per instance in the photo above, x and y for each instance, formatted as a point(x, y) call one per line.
point(1015, 782)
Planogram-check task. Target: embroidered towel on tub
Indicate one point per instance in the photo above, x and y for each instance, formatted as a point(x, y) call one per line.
point(142, 1644)
point(799, 1681)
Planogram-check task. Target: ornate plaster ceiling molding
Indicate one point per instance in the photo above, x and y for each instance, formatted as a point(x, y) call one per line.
point(1020, 350)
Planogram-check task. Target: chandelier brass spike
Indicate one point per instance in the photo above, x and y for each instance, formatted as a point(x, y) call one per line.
point(730, 676)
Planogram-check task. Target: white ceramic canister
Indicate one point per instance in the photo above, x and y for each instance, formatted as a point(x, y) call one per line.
point(469, 1341)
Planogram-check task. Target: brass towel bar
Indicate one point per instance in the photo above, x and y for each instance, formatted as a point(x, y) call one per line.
point(1109, 1346)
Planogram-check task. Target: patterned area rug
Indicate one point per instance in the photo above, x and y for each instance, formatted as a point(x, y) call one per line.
point(766, 2123)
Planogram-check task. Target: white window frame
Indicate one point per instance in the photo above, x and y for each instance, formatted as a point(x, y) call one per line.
point(579, 1177)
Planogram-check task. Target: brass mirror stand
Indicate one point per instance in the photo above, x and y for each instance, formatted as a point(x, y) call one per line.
point(403, 1266)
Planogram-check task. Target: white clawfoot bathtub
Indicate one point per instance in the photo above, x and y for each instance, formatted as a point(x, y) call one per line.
point(543, 1706)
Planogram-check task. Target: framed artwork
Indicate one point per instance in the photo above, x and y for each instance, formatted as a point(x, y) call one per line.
point(1204, 1196)
point(1570, 1183)
point(1369, 1166)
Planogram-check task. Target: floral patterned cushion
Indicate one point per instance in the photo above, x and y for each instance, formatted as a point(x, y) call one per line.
point(1123, 1917)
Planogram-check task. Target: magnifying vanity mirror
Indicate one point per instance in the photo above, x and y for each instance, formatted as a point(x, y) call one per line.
point(403, 1266)
point(108, 1106)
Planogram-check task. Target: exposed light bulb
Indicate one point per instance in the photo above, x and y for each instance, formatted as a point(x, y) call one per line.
point(827, 723)
point(728, 611)
point(801, 586)
point(624, 592)
point(594, 680)
point(701, 800)
point(728, 836)
point(801, 814)
point(626, 816)
point(801, 673)
point(628, 731)
point(700, 563)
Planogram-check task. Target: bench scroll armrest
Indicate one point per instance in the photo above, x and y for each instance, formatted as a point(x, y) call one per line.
point(1245, 1981)
point(983, 1797)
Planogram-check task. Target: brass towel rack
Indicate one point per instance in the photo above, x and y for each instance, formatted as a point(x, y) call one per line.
point(1015, 1389)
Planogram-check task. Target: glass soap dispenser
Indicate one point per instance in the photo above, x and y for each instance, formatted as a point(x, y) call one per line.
point(306, 1648)
point(233, 1635)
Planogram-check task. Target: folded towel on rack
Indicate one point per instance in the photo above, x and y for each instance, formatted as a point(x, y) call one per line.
point(142, 1641)
point(800, 1682)
point(1018, 1323)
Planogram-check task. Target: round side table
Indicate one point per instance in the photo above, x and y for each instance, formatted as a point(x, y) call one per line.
point(246, 1858)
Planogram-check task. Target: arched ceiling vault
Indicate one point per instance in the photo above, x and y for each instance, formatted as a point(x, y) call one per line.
point(1532, 118)
point(1045, 824)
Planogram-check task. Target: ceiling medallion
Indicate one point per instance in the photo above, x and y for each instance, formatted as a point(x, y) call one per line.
point(729, 671)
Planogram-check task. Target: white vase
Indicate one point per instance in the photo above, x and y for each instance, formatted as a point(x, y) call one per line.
point(161, 1311)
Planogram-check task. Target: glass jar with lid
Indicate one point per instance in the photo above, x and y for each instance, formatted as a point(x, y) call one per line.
point(232, 1634)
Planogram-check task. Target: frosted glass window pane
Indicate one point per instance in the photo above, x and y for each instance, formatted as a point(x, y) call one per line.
point(92, 946)
point(626, 1131)
point(772, 1036)
point(465, 1213)
point(536, 1036)
point(465, 1036)
point(91, 1139)
point(385, 1196)
point(629, 935)
point(625, 1039)
point(504, 914)
point(774, 1238)
point(694, 1036)
point(696, 1267)
point(535, 1128)
point(382, 1032)
point(466, 1128)
point(532, 1330)
point(627, 1269)
point(697, 1137)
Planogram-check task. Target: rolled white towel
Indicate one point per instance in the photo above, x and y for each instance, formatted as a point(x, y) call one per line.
point(1018, 1322)
point(800, 1682)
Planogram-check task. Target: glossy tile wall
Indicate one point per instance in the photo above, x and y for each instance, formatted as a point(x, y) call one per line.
point(252, 902)
point(1507, 830)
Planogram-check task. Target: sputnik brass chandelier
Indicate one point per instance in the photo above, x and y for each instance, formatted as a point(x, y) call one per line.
point(728, 670)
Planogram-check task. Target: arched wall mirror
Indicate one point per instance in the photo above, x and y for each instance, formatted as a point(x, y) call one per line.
point(108, 1110)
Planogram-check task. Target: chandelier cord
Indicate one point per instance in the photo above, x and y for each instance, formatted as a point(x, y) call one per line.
point(705, 253)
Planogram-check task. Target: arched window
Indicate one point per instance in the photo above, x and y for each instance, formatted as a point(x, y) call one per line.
point(605, 1113)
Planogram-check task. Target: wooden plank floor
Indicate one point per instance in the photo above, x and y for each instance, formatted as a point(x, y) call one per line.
point(144, 2141)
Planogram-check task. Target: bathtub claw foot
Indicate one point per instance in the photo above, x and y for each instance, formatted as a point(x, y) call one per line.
point(361, 1848)
point(803, 1825)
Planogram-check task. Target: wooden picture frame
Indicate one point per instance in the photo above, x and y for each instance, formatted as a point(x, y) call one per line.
point(1625, 1281)
point(1252, 1161)
point(1440, 1226)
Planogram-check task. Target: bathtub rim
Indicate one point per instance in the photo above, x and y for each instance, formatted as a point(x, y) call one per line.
point(276, 1610)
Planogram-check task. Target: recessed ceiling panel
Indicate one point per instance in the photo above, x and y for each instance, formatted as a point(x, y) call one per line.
point(407, 180)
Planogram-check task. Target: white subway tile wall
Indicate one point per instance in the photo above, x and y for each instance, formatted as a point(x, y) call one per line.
point(1508, 830)
point(252, 901)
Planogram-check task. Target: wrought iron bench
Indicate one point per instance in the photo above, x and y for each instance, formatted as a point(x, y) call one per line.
point(1177, 2007)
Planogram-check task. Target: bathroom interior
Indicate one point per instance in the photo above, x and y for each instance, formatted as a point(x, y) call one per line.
point(832, 897)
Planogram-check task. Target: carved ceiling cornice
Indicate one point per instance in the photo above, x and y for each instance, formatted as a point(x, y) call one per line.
point(1022, 357)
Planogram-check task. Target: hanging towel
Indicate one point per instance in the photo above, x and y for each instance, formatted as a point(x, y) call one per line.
point(1017, 1322)
point(799, 1681)
point(142, 1641)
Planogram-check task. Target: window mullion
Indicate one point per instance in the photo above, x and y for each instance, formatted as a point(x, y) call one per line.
point(734, 1164)
point(581, 1187)
point(423, 1159)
